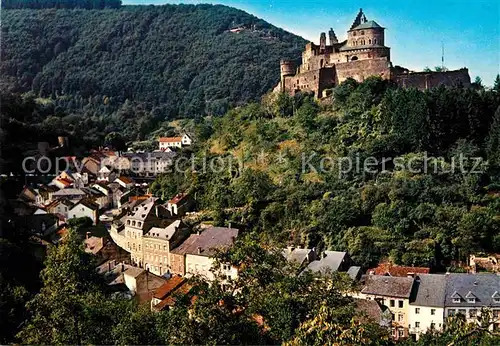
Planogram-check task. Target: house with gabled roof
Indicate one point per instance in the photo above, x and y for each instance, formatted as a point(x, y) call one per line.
point(393, 292)
point(426, 311)
point(176, 142)
point(195, 256)
point(85, 208)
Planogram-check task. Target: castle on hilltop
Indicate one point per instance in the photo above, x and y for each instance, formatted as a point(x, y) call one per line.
point(363, 54)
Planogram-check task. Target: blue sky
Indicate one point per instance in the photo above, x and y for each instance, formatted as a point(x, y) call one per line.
point(415, 29)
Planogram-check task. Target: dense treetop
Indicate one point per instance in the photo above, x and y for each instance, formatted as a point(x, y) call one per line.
point(37, 4)
point(182, 57)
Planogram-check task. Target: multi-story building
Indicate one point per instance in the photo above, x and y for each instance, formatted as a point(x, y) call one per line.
point(427, 307)
point(158, 242)
point(393, 292)
point(467, 294)
point(195, 255)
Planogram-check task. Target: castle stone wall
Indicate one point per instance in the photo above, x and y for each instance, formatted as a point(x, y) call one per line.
point(427, 80)
point(362, 69)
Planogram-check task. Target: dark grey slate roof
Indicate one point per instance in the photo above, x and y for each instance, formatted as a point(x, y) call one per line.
point(331, 260)
point(430, 290)
point(354, 272)
point(296, 255)
point(389, 286)
point(483, 286)
point(371, 24)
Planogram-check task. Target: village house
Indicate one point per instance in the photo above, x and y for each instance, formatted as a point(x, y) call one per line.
point(467, 294)
point(91, 165)
point(195, 255)
point(44, 194)
point(157, 243)
point(85, 208)
point(59, 207)
point(128, 231)
point(125, 182)
point(330, 262)
point(300, 256)
point(150, 164)
point(393, 292)
point(71, 194)
point(178, 142)
point(180, 204)
point(164, 297)
point(105, 174)
point(426, 310)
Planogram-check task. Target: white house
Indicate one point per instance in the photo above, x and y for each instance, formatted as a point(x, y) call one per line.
point(85, 208)
point(426, 311)
point(178, 142)
point(105, 174)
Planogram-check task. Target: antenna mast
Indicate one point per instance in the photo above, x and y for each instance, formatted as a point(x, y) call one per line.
point(442, 55)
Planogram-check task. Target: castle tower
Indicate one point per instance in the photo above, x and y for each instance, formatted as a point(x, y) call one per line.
point(322, 42)
point(360, 19)
point(332, 37)
point(287, 68)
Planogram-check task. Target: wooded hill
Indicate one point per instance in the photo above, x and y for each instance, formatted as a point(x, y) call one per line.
point(182, 57)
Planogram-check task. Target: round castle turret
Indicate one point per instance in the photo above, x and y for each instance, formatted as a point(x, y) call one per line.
point(287, 68)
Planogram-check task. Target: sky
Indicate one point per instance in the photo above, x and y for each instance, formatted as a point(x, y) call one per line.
point(416, 30)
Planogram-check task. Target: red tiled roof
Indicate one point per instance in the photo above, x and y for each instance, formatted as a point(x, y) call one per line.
point(170, 299)
point(167, 288)
point(126, 180)
point(396, 270)
point(179, 197)
point(170, 139)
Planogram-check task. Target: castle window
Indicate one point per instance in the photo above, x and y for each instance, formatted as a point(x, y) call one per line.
point(374, 41)
point(354, 33)
point(362, 32)
point(354, 58)
point(369, 41)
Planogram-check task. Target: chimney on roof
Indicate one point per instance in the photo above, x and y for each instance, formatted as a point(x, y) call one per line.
point(199, 250)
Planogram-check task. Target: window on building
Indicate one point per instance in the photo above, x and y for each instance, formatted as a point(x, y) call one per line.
point(472, 312)
point(471, 300)
point(401, 332)
point(400, 317)
point(433, 311)
point(496, 314)
point(456, 300)
point(391, 303)
point(374, 41)
point(362, 32)
point(417, 311)
point(400, 304)
point(433, 325)
point(417, 324)
point(496, 300)
point(354, 33)
point(462, 311)
point(369, 41)
point(451, 312)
